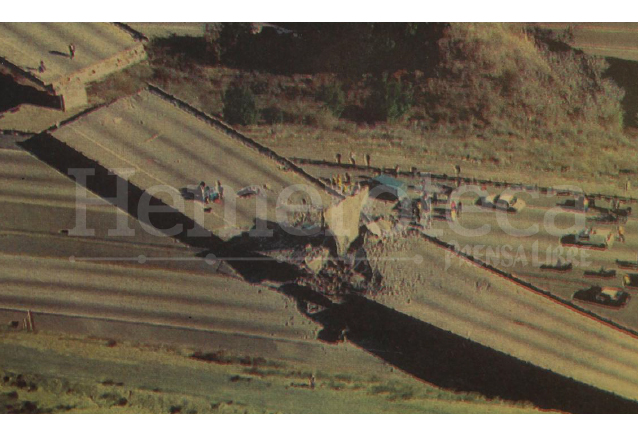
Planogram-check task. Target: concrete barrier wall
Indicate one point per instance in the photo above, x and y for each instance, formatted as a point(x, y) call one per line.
point(30, 79)
point(74, 97)
point(100, 70)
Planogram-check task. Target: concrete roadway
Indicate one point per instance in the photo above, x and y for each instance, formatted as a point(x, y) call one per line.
point(96, 286)
point(26, 44)
point(506, 317)
point(168, 146)
point(561, 284)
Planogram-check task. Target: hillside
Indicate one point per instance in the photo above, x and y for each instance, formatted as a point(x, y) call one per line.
point(510, 102)
point(526, 83)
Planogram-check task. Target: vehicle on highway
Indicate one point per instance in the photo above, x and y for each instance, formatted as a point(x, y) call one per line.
point(559, 266)
point(386, 187)
point(609, 218)
point(627, 265)
point(605, 296)
point(602, 273)
point(505, 201)
point(630, 281)
point(581, 203)
point(595, 239)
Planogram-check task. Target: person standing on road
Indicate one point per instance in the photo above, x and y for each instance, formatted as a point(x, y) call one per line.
point(457, 174)
point(353, 160)
point(368, 160)
point(202, 191)
point(42, 68)
point(427, 208)
point(419, 211)
point(621, 233)
point(220, 190)
point(453, 211)
point(71, 50)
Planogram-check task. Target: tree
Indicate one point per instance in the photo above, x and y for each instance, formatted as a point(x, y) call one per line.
point(390, 99)
point(333, 96)
point(212, 39)
point(239, 106)
point(272, 115)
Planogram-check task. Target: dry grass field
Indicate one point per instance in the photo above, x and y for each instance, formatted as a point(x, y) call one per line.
point(95, 376)
point(617, 40)
point(164, 30)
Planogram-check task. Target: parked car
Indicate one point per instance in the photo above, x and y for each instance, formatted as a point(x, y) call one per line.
point(630, 281)
point(602, 273)
point(627, 265)
point(605, 296)
point(505, 201)
point(560, 266)
point(595, 239)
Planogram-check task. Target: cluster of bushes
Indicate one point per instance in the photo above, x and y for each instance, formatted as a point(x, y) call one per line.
point(348, 51)
point(388, 100)
point(239, 106)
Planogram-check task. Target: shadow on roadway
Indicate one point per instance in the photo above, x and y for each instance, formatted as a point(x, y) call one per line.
point(447, 360)
point(252, 266)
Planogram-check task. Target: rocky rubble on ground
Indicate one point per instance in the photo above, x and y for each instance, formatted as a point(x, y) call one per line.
point(399, 264)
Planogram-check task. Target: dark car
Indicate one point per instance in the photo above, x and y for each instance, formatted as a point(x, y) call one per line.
point(630, 281)
point(605, 296)
point(505, 201)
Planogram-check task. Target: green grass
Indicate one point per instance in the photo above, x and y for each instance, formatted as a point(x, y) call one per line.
point(65, 374)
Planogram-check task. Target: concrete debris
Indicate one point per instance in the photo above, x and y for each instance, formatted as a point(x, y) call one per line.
point(316, 260)
point(342, 220)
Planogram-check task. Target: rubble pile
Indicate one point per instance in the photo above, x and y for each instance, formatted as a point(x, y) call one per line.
point(398, 263)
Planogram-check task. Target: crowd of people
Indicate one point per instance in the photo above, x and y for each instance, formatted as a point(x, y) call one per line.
point(345, 184)
point(353, 159)
point(208, 194)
